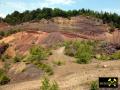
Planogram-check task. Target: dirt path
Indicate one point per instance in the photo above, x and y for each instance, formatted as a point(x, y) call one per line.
point(72, 76)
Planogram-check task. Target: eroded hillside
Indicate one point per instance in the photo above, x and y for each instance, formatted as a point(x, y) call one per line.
point(55, 47)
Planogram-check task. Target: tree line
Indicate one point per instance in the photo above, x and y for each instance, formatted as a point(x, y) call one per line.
point(16, 17)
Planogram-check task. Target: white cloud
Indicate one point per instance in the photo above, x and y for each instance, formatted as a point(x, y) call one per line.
point(52, 3)
point(22, 6)
point(2, 15)
point(112, 10)
point(66, 2)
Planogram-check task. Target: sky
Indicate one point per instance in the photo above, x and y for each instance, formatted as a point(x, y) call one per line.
point(9, 6)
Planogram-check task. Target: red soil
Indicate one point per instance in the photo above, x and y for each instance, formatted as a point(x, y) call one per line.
point(3, 25)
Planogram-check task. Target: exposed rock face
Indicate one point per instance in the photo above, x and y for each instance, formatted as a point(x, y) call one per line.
point(22, 72)
point(53, 38)
point(81, 24)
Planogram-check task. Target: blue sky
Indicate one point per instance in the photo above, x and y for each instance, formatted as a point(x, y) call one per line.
point(8, 6)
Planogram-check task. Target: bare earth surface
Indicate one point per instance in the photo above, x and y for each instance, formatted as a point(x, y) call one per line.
point(71, 76)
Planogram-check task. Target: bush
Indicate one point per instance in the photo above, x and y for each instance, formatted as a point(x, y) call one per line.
point(47, 68)
point(46, 85)
point(69, 49)
point(116, 55)
point(83, 58)
point(37, 53)
point(3, 78)
point(17, 58)
point(84, 53)
point(94, 85)
point(7, 66)
point(5, 57)
point(82, 50)
point(102, 57)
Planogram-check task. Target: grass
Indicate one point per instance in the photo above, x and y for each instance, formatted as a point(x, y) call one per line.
point(37, 54)
point(17, 58)
point(4, 57)
point(47, 85)
point(102, 57)
point(45, 67)
point(94, 85)
point(115, 55)
point(4, 79)
point(58, 63)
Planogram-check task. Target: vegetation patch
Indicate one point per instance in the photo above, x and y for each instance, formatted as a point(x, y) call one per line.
point(4, 79)
point(94, 85)
point(4, 57)
point(17, 58)
point(116, 55)
point(9, 32)
point(47, 85)
point(58, 63)
point(102, 57)
point(37, 53)
point(82, 50)
point(45, 67)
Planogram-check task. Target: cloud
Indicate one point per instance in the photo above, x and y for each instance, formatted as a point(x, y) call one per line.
point(2, 15)
point(53, 3)
point(112, 10)
point(21, 5)
point(65, 2)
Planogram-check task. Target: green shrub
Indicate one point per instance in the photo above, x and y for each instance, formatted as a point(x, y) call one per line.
point(7, 66)
point(102, 57)
point(83, 58)
point(2, 33)
point(94, 85)
point(46, 85)
point(116, 55)
point(84, 53)
point(3, 78)
point(82, 50)
point(47, 68)
point(67, 44)
point(17, 58)
point(5, 57)
point(69, 49)
point(37, 53)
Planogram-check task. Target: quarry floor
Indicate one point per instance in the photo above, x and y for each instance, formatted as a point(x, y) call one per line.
point(71, 76)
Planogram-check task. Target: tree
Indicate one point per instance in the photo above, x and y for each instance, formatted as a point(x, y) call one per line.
point(27, 16)
point(47, 13)
point(1, 19)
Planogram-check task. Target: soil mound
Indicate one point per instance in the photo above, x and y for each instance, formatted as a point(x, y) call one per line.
point(22, 72)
